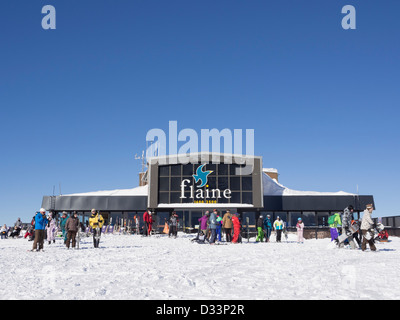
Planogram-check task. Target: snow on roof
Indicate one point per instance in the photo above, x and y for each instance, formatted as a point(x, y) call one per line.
point(138, 191)
point(274, 188)
point(271, 188)
point(272, 170)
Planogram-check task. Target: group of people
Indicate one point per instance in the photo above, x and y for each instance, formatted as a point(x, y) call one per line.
point(365, 228)
point(6, 232)
point(70, 226)
point(265, 228)
point(212, 224)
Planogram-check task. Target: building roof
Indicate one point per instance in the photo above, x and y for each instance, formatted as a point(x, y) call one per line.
point(271, 187)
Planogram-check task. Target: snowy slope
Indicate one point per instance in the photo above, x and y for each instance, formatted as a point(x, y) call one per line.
point(135, 267)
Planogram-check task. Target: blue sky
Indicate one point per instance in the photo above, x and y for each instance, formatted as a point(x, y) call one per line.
point(76, 102)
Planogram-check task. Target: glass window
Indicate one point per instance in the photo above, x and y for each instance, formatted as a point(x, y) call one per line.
point(163, 197)
point(176, 184)
point(116, 218)
point(247, 197)
point(235, 183)
point(222, 183)
point(247, 183)
point(163, 184)
point(223, 169)
point(309, 218)
point(251, 216)
point(212, 182)
point(294, 215)
point(176, 170)
point(235, 197)
point(175, 197)
point(163, 171)
point(323, 219)
point(187, 169)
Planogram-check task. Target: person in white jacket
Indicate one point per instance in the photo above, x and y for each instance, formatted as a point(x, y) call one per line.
point(366, 224)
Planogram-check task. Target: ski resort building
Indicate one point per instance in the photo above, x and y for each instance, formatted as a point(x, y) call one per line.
point(191, 184)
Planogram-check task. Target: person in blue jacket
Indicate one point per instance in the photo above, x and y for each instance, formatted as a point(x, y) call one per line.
point(63, 221)
point(213, 226)
point(40, 225)
point(267, 227)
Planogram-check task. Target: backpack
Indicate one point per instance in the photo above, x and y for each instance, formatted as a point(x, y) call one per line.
point(331, 219)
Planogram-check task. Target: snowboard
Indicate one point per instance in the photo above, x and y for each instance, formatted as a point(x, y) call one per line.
point(97, 236)
point(353, 229)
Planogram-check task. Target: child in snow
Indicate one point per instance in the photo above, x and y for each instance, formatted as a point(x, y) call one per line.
point(300, 228)
point(51, 229)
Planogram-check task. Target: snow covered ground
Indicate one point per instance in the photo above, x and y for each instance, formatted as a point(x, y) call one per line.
point(135, 267)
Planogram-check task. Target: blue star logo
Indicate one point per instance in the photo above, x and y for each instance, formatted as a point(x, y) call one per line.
point(201, 175)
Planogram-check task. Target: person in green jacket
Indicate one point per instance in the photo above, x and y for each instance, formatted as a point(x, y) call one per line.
point(63, 221)
point(260, 235)
point(334, 221)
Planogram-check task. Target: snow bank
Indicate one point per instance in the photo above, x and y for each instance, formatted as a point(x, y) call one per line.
point(157, 267)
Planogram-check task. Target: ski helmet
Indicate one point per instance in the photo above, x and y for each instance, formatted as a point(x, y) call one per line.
point(42, 210)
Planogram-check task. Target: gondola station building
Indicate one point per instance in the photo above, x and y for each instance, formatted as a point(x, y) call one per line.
point(194, 183)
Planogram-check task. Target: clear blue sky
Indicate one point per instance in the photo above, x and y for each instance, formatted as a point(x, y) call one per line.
point(76, 102)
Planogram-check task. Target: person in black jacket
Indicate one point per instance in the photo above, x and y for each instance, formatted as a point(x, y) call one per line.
point(173, 225)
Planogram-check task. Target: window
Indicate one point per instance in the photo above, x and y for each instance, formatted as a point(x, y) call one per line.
point(293, 218)
point(309, 218)
point(322, 219)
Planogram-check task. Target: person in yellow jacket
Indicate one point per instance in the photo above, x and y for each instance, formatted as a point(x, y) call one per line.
point(96, 221)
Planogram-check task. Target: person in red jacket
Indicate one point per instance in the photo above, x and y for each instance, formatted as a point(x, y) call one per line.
point(146, 223)
point(151, 220)
point(236, 228)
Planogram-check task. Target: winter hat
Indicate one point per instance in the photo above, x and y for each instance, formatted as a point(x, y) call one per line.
point(261, 215)
point(369, 206)
point(298, 219)
point(42, 210)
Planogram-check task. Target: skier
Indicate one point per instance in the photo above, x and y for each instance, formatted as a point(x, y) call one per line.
point(150, 223)
point(203, 223)
point(213, 226)
point(366, 225)
point(227, 225)
point(173, 225)
point(96, 221)
point(219, 227)
point(51, 229)
point(260, 223)
point(278, 227)
point(334, 221)
point(146, 221)
point(267, 227)
point(40, 225)
point(346, 224)
point(137, 223)
point(63, 221)
point(71, 227)
point(236, 228)
point(300, 228)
